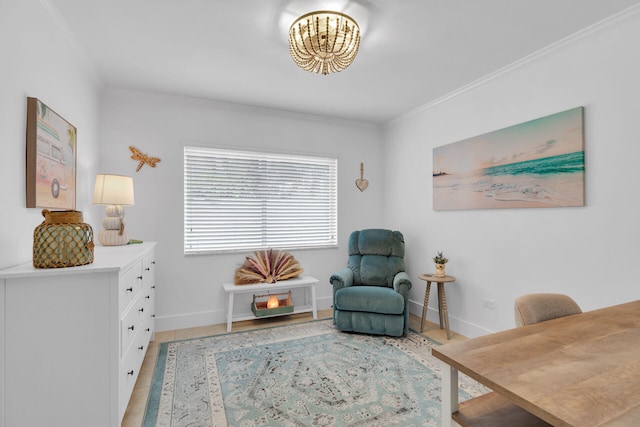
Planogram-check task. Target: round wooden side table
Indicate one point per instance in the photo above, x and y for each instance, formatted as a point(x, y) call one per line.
point(442, 299)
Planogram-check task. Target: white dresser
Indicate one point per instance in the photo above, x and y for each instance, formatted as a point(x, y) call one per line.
point(74, 338)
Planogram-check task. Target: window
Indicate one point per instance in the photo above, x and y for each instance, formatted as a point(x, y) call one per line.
point(243, 201)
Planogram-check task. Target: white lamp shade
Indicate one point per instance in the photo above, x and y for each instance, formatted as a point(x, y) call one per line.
point(113, 190)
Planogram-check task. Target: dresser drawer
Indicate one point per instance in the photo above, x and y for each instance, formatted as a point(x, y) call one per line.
point(132, 323)
point(130, 286)
point(149, 319)
point(152, 314)
point(130, 368)
point(148, 270)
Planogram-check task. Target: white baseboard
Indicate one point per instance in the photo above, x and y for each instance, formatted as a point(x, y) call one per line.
point(213, 317)
point(189, 320)
point(461, 326)
point(205, 318)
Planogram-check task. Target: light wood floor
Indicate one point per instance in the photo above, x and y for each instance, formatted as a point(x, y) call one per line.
point(137, 405)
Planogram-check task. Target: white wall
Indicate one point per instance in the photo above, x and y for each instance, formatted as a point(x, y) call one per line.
point(591, 253)
point(39, 60)
point(189, 288)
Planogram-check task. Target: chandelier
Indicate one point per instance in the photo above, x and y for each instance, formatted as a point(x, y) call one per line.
point(324, 42)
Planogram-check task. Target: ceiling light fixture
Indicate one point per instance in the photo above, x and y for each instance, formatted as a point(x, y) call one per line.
point(324, 42)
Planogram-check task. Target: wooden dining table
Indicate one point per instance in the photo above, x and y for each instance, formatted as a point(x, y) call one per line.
point(581, 370)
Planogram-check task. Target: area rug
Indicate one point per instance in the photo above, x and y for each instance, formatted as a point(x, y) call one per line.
point(306, 374)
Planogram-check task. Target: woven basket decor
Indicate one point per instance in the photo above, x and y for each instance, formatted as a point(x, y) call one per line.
point(62, 240)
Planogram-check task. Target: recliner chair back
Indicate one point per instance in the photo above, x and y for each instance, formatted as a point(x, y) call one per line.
point(375, 256)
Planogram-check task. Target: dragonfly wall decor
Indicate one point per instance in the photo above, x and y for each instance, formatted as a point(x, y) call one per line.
point(143, 158)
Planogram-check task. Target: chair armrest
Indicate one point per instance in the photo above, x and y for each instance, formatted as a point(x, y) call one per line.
point(402, 284)
point(342, 279)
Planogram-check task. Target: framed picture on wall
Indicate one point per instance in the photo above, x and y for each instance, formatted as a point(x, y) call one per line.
point(535, 164)
point(51, 158)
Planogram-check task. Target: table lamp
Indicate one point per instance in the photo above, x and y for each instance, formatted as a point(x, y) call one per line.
point(115, 191)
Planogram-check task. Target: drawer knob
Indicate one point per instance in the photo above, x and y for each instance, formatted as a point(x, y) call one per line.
point(147, 297)
point(141, 310)
point(130, 372)
point(148, 268)
point(148, 329)
point(153, 287)
point(129, 289)
point(153, 262)
point(139, 277)
point(141, 348)
point(131, 328)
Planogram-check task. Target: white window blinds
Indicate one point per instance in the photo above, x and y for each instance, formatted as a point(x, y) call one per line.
point(242, 201)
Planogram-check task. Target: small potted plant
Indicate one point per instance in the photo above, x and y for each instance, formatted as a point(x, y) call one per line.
point(440, 261)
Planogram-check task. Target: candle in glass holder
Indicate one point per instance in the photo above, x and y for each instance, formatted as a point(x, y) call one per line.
point(273, 302)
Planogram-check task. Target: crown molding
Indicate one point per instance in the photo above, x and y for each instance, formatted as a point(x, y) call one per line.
point(614, 21)
point(229, 106)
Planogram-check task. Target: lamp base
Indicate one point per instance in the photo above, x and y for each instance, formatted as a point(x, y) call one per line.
point(113, 238)
point(114, 233)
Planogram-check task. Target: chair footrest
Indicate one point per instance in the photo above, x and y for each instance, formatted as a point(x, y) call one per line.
point(370, 299)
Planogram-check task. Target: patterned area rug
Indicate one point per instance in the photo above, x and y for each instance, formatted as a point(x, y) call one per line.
point(306, 374)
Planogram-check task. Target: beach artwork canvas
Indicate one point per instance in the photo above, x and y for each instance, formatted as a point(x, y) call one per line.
point(536, 164)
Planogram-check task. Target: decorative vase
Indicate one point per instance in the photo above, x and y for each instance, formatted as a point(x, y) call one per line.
point(62, 240)
point(440, 270)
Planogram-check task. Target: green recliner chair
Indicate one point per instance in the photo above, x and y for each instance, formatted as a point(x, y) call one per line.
point(371, 295)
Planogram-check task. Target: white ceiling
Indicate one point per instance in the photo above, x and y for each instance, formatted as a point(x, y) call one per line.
point(236, 51)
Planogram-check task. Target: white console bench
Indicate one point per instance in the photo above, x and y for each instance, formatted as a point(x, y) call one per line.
point(306, 282)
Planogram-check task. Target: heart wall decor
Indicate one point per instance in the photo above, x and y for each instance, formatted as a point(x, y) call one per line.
point(362, 183)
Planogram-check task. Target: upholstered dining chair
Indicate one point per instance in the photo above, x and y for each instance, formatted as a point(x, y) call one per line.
point(535, 308)
point(371, 294)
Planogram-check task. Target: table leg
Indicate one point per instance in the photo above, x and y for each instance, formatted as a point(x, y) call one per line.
point(425, 305)
point(444, 313)
point(449, 394)
point(440, 307)
point(313, 301)
point(229, 311)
